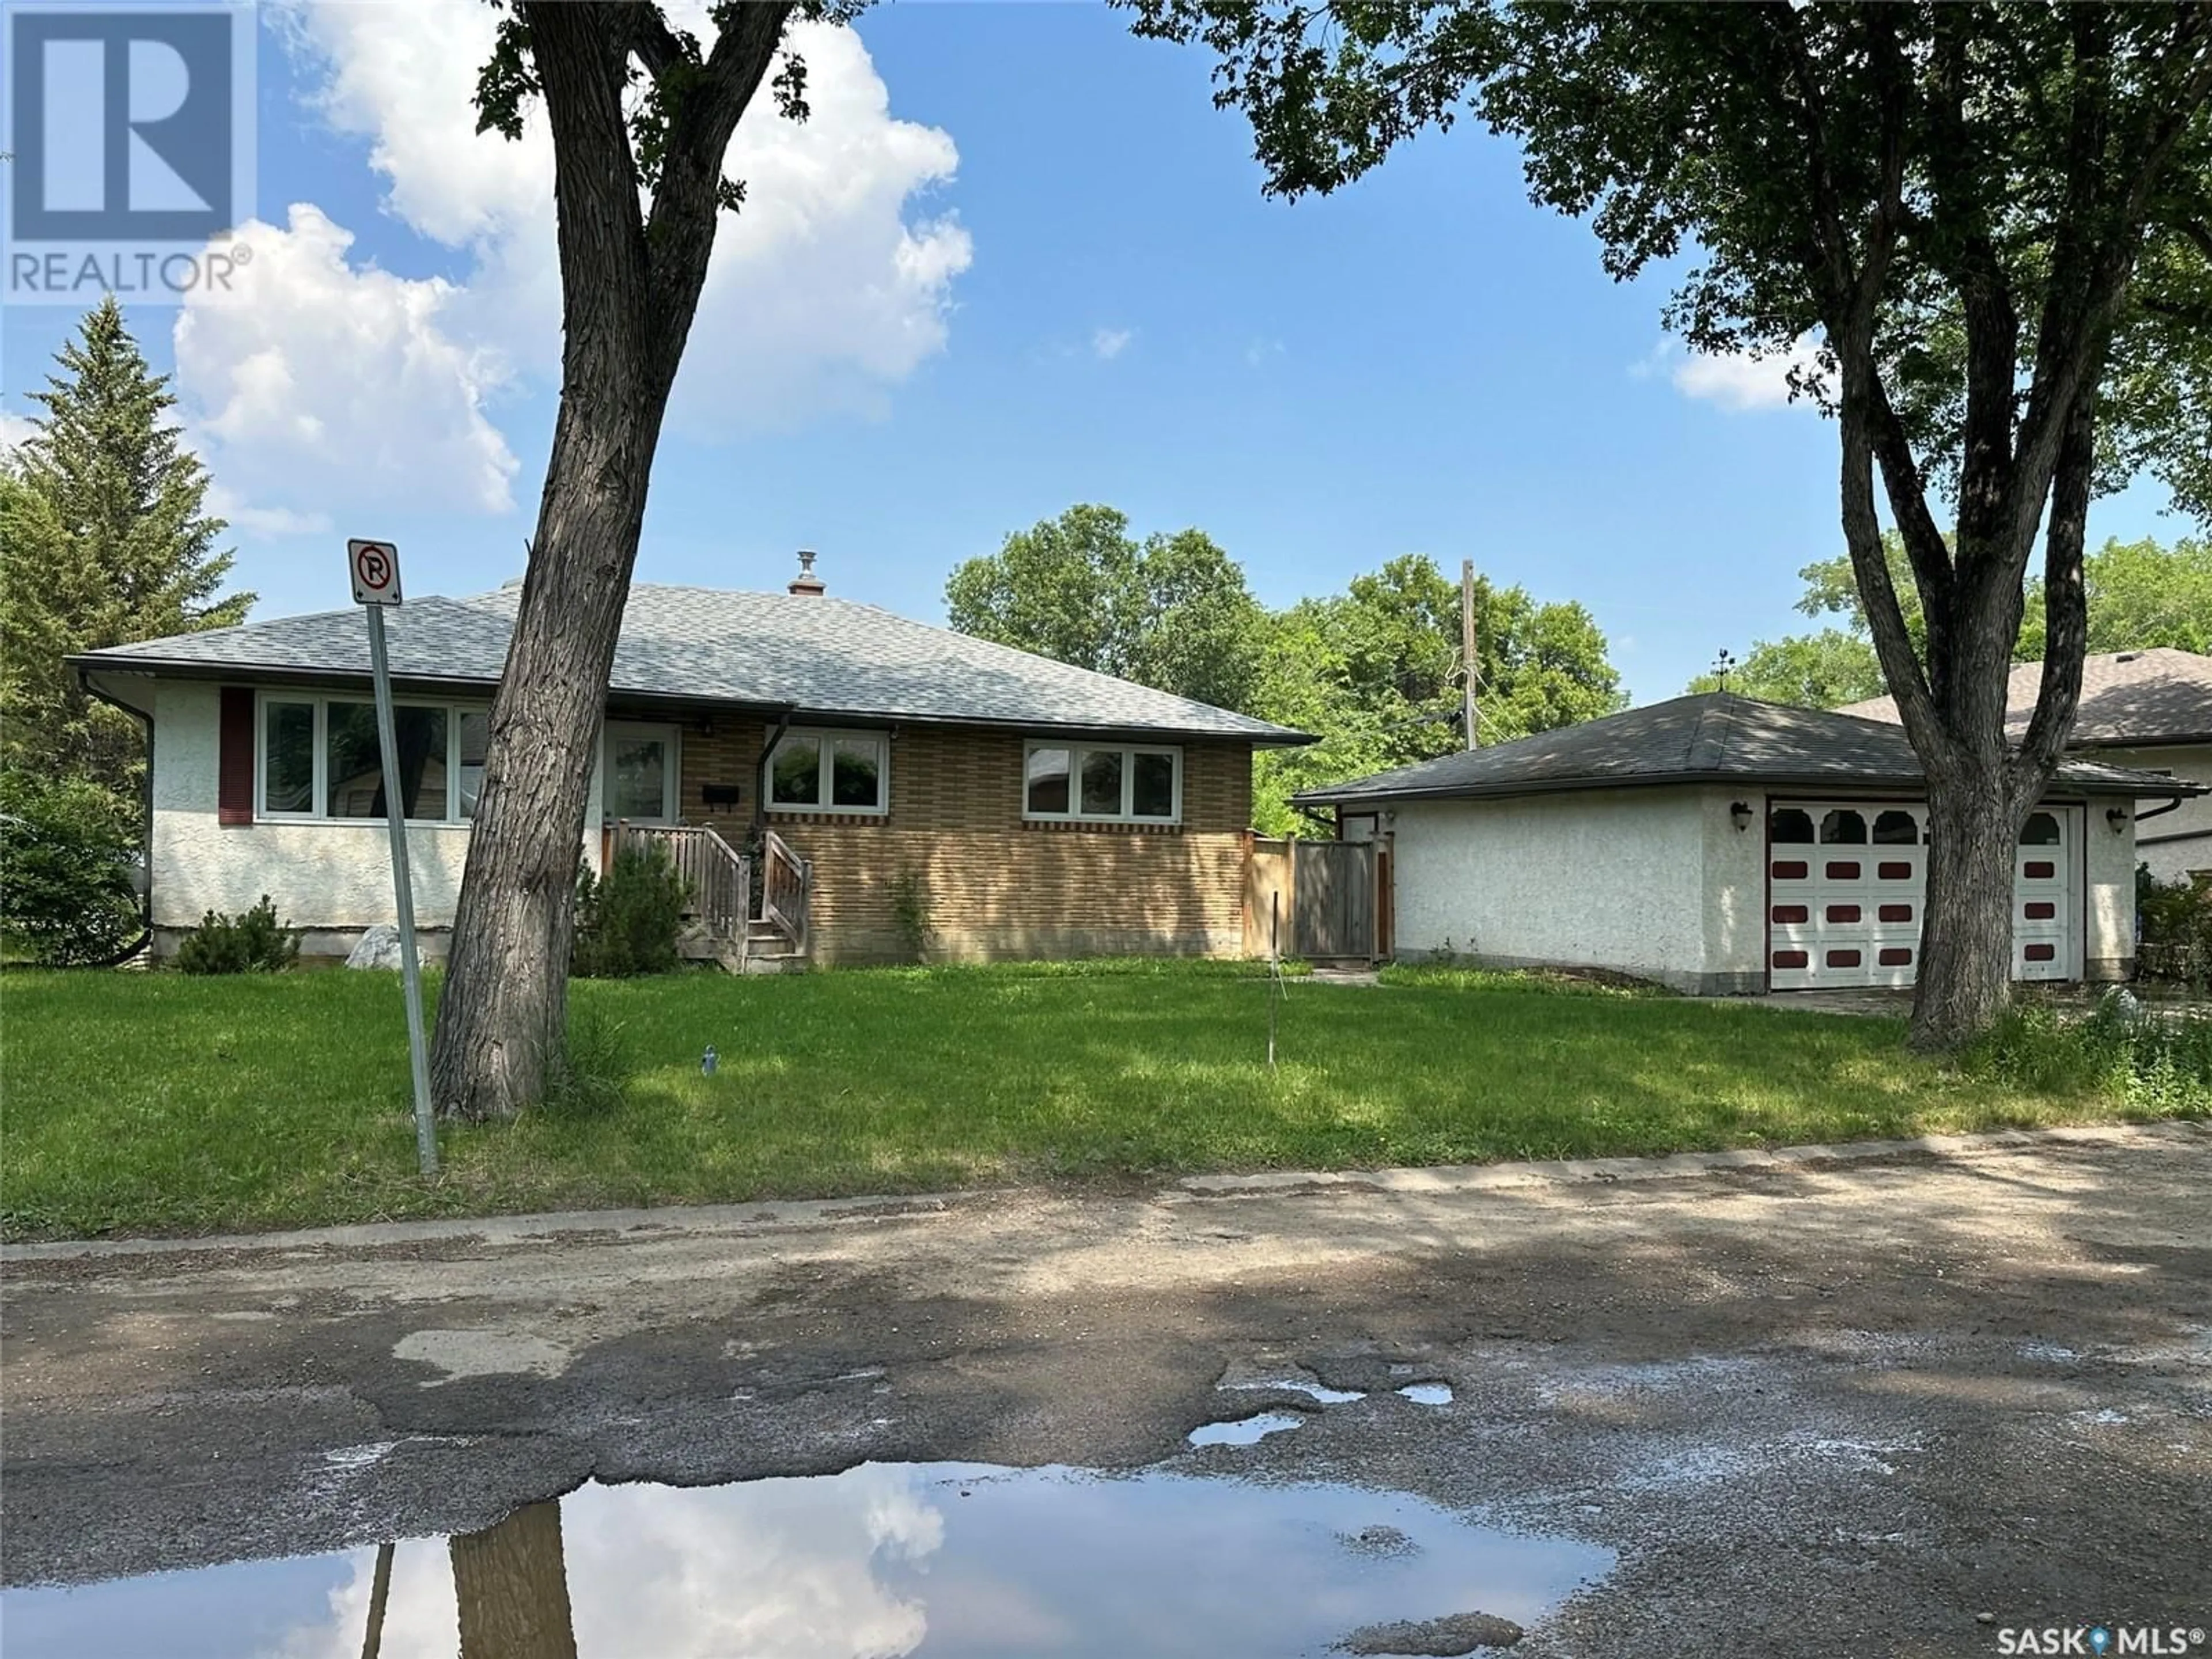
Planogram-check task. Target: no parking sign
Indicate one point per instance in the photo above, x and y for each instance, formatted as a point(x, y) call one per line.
point(375, 568)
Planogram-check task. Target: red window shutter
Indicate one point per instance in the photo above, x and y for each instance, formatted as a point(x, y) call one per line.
point(234, 797)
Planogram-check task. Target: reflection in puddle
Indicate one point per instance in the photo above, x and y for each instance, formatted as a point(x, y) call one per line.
point(1319, 1393)
point(1428, 1393)
point(883, 1560)
point(1244, 1430)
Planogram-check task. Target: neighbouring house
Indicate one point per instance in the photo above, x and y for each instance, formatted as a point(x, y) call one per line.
point(1724, 845)
point(806, 760)
point(2150, 709)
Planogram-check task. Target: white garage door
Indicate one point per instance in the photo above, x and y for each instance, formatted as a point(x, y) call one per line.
point(1847, 882)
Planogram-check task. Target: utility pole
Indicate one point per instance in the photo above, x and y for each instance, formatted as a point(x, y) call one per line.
point(1467, 711)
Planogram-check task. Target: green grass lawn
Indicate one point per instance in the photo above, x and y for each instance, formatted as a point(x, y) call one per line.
point(160, 1103)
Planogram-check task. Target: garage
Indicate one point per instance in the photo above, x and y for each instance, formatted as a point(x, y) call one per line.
point(1727, 846)
point(1847, 881)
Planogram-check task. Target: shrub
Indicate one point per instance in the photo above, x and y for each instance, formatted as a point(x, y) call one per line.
point(910, 911)
point(2157, 1061)
point(2176, 918)
point(254, 943)
point(67, 855)
point(627, 921)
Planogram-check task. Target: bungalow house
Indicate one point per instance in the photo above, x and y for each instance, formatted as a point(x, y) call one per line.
point(2149, 709)
point(1044, 809)
point(1723, 846)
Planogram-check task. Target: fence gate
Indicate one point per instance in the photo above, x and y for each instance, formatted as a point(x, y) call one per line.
point(1332, 900)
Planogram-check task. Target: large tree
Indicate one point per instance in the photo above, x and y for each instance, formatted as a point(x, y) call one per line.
point(2138, 594)
point(1377, 671)
point(1991, 220)
point(102, 515)
point(642, 115)
point(1170, 611)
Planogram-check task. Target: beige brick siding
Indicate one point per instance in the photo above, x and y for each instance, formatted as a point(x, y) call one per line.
point(998, 888)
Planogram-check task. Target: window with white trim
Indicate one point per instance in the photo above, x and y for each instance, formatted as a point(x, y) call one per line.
point(830, 771)
point(319, 758)
point(1102, 783)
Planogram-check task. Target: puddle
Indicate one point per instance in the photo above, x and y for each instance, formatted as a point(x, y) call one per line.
point(941, 1560)
point(1428, 1393)
point(1245, 1430)
point(1317, 1392)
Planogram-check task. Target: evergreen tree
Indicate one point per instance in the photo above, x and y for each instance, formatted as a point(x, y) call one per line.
point(106, 542)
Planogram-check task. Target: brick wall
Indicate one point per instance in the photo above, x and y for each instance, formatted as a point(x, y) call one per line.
point(999, 887)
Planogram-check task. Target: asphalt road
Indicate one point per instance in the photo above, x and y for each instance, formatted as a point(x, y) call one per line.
point(1816, 1404)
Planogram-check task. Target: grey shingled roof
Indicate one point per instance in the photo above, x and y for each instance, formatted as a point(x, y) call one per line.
point(818, 656)
point(1716, 737)
point(2129, 698)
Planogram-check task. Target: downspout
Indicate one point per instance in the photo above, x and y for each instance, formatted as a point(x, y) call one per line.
point(2172, 804)
point(145, 823)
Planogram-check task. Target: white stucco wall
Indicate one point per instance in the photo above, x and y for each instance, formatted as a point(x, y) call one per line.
point(1734, 890)
point(2173, 843)
point(334, 875)
point(1602, 879)
point(2108, 909)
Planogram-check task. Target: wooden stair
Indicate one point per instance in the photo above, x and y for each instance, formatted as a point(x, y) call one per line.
point(717, 926)
point(768, 951)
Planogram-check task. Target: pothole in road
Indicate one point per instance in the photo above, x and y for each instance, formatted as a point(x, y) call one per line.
point(1244, 1430)
point(1428, 1393)
point(936, 1560)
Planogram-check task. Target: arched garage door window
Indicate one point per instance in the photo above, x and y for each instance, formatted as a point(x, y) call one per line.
point(1788, 827)
point(1895, 828)
point(1841, 827)
point(2041, 829)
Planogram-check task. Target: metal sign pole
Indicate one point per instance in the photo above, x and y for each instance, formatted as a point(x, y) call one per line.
point(403, 893)
point(375, 567)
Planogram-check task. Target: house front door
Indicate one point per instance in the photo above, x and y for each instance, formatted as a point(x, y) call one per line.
point(638, 772)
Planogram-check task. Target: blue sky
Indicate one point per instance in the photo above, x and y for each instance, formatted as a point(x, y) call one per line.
point(1044, 274)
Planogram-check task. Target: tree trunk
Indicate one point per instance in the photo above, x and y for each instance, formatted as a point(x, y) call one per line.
point(629, 287)
point(512, 1584)
point(503, 1014)
point(1966, 930)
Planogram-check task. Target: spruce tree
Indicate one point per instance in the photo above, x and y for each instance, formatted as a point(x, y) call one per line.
point(105, 543)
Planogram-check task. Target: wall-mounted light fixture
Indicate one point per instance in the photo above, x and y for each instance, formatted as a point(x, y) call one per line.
point(2117, 817)
point(1740, 815)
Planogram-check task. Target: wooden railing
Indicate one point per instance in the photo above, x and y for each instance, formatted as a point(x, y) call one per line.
point(717, 877)
point(786, 889)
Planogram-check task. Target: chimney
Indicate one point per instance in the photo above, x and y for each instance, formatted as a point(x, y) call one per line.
point(806, 581)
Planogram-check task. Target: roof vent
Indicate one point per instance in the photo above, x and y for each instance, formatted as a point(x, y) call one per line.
point(806, 582)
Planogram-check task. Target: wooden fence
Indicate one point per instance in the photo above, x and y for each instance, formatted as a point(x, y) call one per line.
point(1333, 897)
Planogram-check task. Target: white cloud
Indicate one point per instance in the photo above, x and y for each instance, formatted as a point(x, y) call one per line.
point(1259, 353)
point(774, 1569)
point(1734, 380)
point(313, 382)
point(270, 521)
point(823, 292)
point(15, 430)
point(1107, 343)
